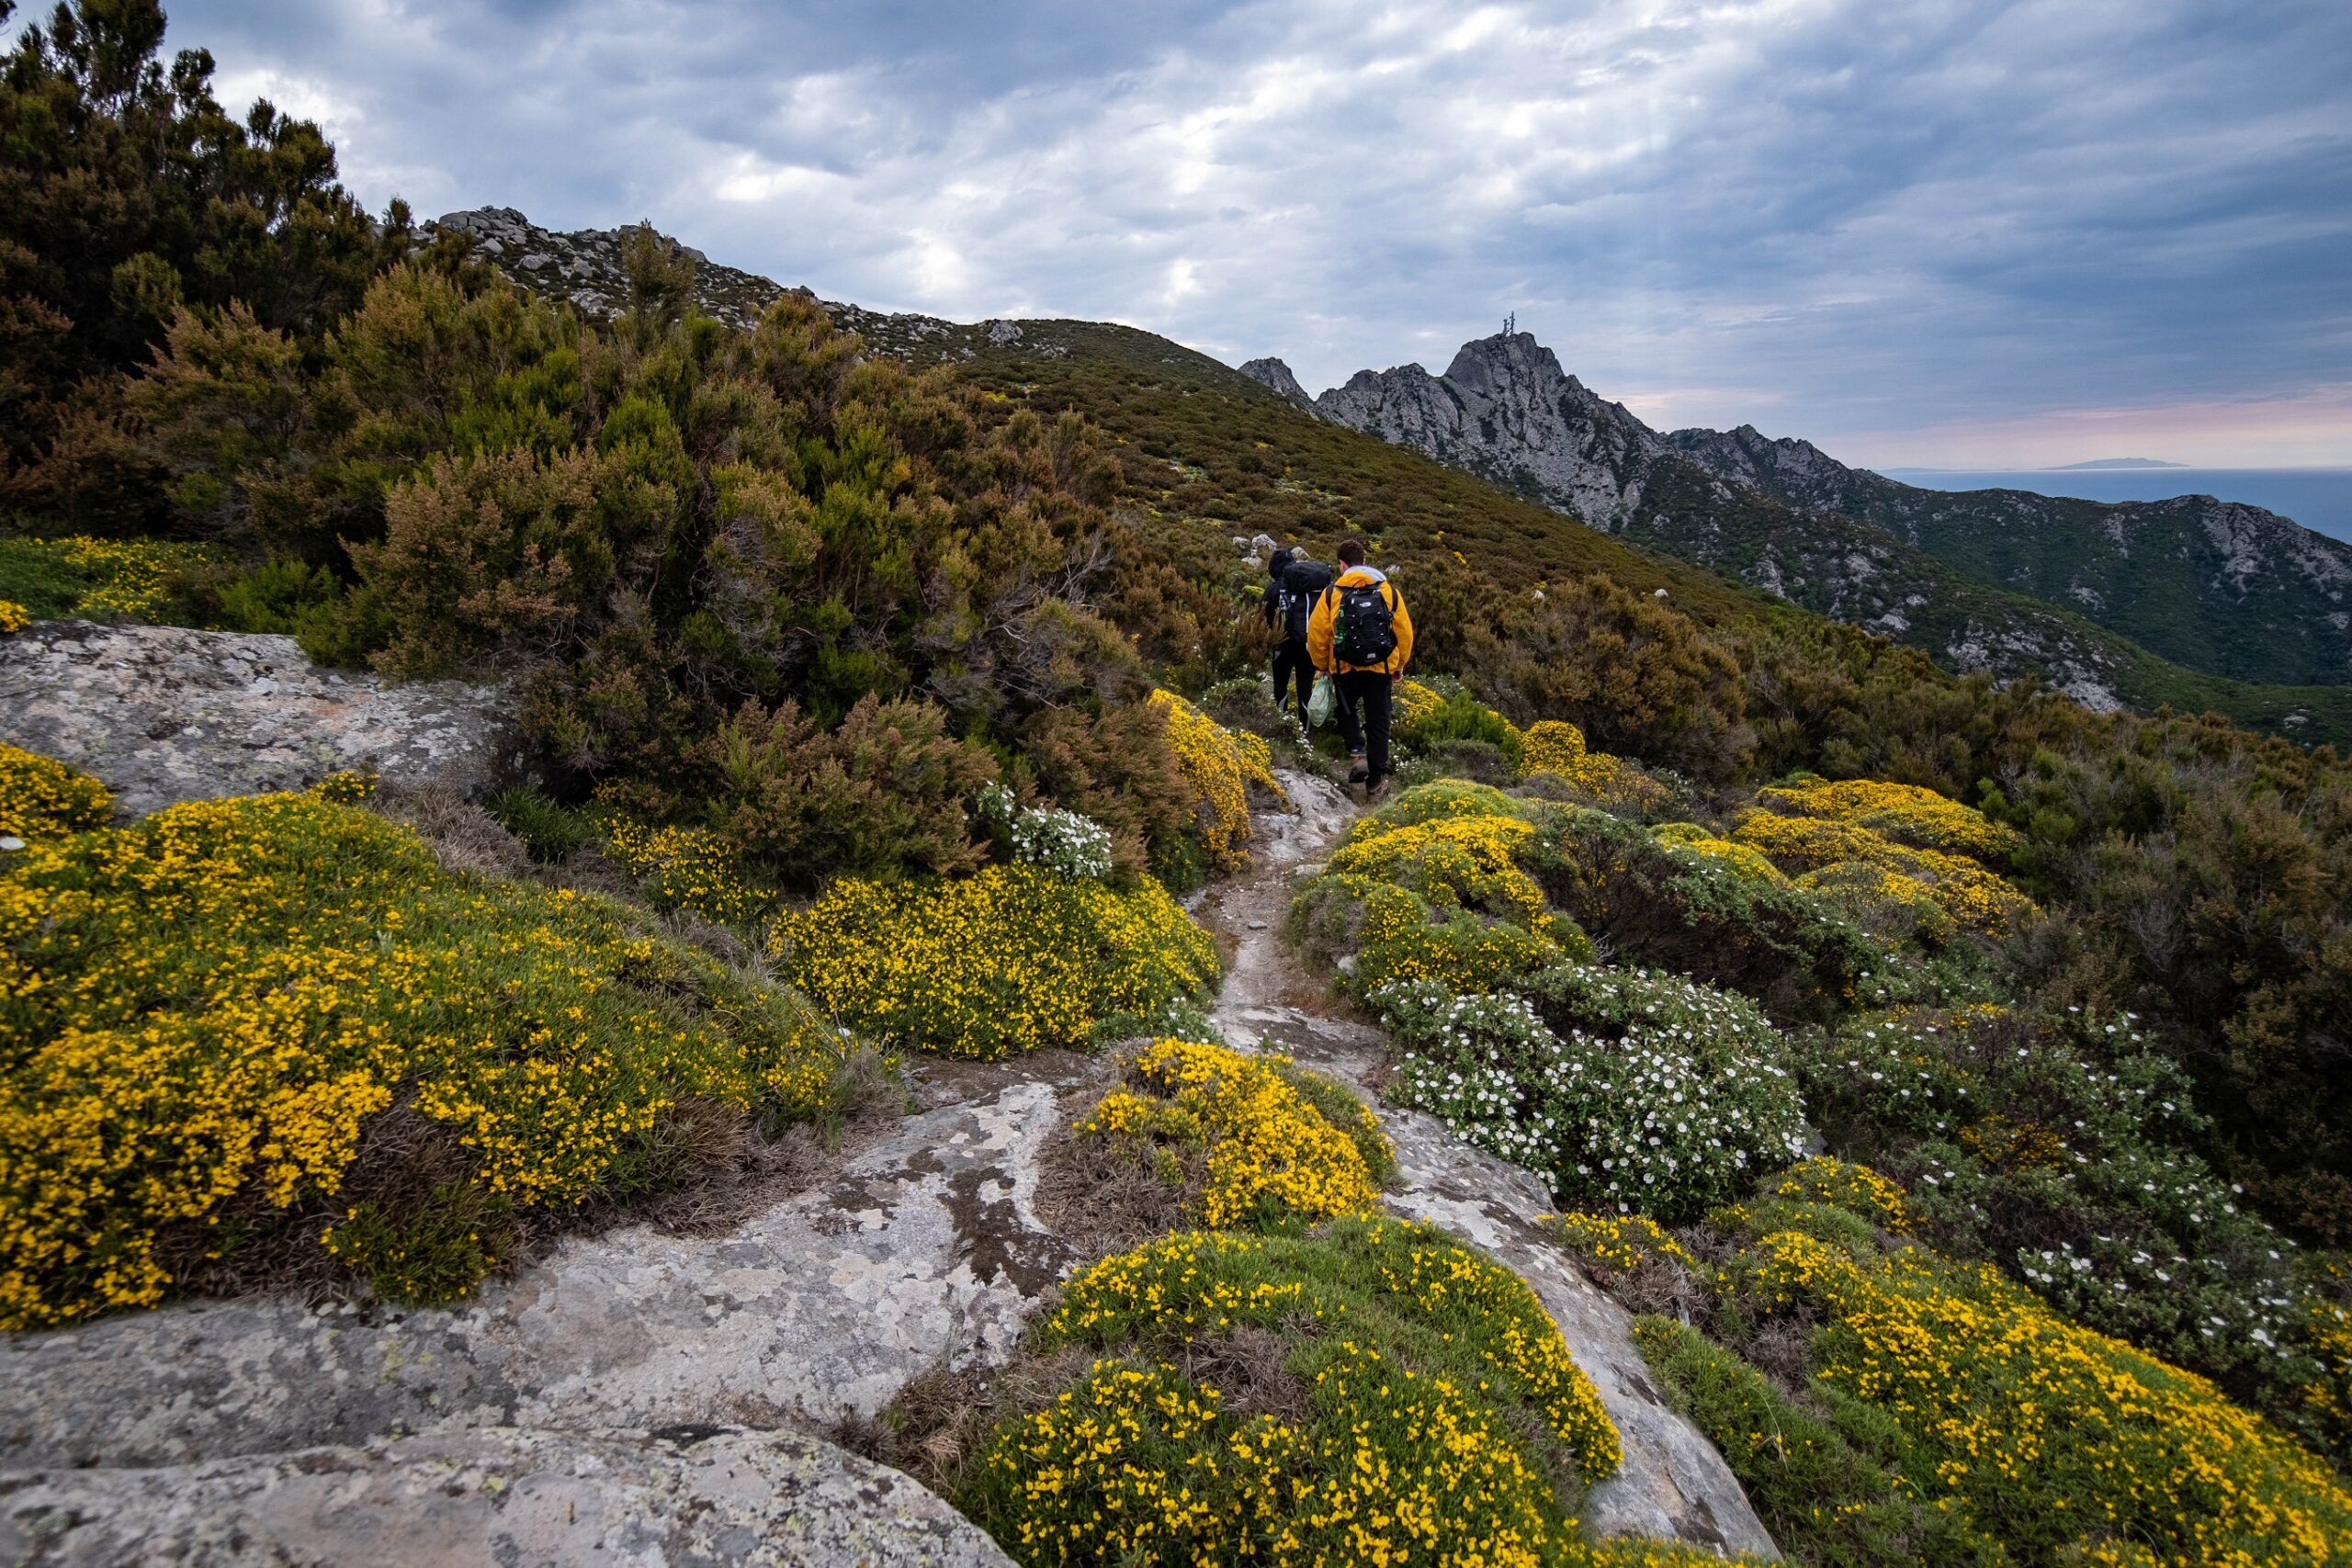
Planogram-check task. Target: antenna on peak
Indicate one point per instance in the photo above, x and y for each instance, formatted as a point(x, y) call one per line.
point(1510, 323)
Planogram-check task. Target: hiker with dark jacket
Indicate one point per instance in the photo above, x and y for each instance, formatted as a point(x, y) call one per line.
point(1293, 581)
point(1361, 635)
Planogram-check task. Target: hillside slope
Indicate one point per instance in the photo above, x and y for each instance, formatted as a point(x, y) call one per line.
point(2217, 586)
point(1242, 456)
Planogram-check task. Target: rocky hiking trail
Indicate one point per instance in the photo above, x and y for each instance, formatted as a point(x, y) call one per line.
point(1673, 1484)
point(667, 1396)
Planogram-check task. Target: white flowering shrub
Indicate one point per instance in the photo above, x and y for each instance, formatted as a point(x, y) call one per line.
point(1074, 846)
point(1652, 1095)
point(997, 805)
point(1062, 842)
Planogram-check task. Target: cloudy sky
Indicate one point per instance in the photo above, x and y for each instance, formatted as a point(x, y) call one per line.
point(1924, 231)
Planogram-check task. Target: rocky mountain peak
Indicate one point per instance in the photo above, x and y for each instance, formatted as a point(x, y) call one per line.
point(1276, 378)
point(1506, 410)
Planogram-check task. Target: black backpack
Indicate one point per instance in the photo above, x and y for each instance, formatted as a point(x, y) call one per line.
point(1364, 631)
point(1303, 583)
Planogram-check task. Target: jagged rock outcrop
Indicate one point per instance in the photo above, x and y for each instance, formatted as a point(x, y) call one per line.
point(1506, 410)
point(498, 1498)
point(164, 713)
point(924, 1248)
point(1276, 378)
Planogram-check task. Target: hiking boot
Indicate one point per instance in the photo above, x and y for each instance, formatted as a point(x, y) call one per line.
point(1357, 770)
point(1373, 793)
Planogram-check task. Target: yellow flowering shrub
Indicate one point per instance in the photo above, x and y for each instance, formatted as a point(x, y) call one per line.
point(1271, 1151)
point(1854, 1188)
point(41, 797)
point(2041, 1435)
point(1744, 862)
point(1902, 812)
point(1411, 703)
point(1454, 861)
point(206, 1009)
point(1398, 935)
point(1438, 1403)
point(692, 869)
point(1846, 855)
point(1429, 887)
point(104, 579)
point(1008, 960)
point(1433, 802)
point(1551, 746)
point(14, 618)
point(1257, 761)
point(1219, 767)
point(1620, 1242)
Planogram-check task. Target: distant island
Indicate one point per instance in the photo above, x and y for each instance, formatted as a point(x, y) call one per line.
point(2117, 463)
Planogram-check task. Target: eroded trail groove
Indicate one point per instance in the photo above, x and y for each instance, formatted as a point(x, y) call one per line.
point(1673, 1483)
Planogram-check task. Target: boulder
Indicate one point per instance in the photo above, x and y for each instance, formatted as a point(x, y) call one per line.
point(497, 1498)
point(165, 713)
point(924, 1248)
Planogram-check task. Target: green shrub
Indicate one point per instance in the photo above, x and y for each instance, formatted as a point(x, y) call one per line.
point(1830, 1496)
point(550, 830)
point(290, 598)
point(1674, 908)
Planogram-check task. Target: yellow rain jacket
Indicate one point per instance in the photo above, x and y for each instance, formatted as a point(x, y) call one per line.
point(1325, 620)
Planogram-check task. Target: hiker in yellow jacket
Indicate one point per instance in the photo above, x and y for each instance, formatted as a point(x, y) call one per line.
point(1361, 635)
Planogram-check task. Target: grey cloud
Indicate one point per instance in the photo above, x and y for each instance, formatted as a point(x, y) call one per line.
point(1828, 216)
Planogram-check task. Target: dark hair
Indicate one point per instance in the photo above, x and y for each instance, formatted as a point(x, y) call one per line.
point(1282, 559)
point(1351, 552)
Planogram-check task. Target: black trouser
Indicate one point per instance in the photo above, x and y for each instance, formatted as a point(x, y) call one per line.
point(1292, 663)
point(1365, 731)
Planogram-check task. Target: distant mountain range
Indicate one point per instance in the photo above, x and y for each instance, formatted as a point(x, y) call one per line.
point(1993, 579)
point(2243, 610)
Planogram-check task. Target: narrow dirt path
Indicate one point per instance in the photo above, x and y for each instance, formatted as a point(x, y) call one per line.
point(1672, 1482)
point(1265, 991)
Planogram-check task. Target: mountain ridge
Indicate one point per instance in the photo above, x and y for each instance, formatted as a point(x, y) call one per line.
point(2224, 588)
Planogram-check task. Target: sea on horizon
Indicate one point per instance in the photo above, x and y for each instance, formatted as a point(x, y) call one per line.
point(2319, 499)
